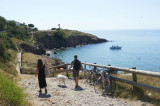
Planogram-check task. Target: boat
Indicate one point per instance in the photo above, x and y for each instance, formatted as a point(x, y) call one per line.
point(115, 47)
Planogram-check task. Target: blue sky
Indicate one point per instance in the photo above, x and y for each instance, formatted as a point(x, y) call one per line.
point(84, 14)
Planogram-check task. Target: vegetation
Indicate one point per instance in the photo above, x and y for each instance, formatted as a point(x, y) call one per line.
point(46, 34)
point(5, 43)
point(63, 33)
point(2, 23)
point(53, 28)
point(10, 93)
point(126, 91)
point(31, 25)
point(74, 33)
point(12, 29)
point(9, 66)
point(29, 60)
point(20, 32)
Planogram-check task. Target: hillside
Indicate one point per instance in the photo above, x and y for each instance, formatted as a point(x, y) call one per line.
point(64, 38)
point(34, 41)
point(57, 39)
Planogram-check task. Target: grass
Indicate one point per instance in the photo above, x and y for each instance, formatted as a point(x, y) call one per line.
point(74, 33)
point(67, 33)
point(81, 75)
point(126, 91)
point(16, 41)
point(10, 93)
point(10, 66)
point(29, 60)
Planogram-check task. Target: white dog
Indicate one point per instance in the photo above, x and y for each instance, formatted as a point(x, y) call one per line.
point(61, 77)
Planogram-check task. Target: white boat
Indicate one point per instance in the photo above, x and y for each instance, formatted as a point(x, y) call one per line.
point(115, 47)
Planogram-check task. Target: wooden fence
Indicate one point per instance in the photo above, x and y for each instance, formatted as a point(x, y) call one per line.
point(129, 70)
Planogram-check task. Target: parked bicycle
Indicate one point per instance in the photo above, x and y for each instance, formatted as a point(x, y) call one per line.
point(93, 76)
point(98, 85)
point(105, 83)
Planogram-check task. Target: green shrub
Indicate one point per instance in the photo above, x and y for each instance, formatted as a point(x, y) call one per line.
point(81, 75)
point(2, 65)
point(7, 41)
point(10, 69)
point(9, 66)
point(4, 55)
point(10, 92)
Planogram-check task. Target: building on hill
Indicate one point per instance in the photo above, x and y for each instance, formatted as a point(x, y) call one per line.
point(17, 23)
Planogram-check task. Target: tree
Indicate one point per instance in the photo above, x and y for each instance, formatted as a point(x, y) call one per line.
point(53, 28)
point(6, 41)
point(2, 23)
point(12, 23)
point(35, 29)
point(31, 25)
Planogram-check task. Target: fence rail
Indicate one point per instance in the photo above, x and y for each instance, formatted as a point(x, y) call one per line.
point(129, 70)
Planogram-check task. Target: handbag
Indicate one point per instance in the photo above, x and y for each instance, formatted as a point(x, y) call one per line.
point(46, 71)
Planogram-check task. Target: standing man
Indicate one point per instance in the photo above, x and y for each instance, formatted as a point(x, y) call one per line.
point(76, 67)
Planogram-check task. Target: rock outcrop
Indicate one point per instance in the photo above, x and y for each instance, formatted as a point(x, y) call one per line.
point(39, 50)
point(59, 39)
point(50, 42)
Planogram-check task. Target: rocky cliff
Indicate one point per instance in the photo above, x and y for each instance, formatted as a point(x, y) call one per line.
point(59, 39)
point(39, 50)
point(50, 40)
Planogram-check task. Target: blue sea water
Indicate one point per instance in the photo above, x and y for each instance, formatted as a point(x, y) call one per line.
point(140, 49)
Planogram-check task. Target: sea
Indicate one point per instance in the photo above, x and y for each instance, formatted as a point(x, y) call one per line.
point(140, 49)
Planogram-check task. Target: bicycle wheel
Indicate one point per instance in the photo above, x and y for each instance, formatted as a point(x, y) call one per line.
point(93, 79)
point(98, 86)
point(88, 80)
point(110, 87)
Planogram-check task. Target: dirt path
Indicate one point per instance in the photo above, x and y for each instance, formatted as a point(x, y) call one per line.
point(68, 96)
point(18, 60)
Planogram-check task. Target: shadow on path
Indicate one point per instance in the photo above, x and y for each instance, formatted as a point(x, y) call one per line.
point(62, 86)
point(43, 95)
point(78, 89)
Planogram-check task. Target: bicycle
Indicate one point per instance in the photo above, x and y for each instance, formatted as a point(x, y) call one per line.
point(104, 83)
point(109, 84)
point(93, 76)
point(98, 85)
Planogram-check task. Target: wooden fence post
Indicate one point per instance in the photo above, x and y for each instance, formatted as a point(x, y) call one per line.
point(134, 77)
point(85, 70)
point(55, 69)
point(95, 66)
point(67, 71)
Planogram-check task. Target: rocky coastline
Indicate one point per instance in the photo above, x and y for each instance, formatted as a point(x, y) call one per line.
point(52, 42)
point(46, 41)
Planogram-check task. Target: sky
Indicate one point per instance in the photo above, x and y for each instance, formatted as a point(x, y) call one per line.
point(84, 14)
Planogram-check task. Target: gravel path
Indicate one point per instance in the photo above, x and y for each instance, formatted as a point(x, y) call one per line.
point(59, 95)
point(18, 60)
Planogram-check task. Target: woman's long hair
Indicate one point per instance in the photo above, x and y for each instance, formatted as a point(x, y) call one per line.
point(39, 64)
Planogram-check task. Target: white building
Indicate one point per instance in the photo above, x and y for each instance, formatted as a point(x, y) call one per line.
point(17, 23)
